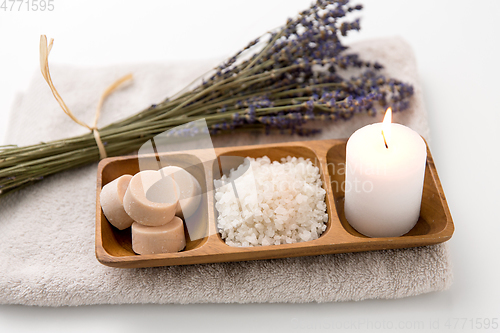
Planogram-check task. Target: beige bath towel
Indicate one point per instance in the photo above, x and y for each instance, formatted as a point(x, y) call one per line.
point(47, 230)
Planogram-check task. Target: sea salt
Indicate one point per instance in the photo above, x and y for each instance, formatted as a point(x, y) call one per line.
point(271, 203)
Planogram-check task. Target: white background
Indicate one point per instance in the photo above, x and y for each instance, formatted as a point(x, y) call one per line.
point(456, 45)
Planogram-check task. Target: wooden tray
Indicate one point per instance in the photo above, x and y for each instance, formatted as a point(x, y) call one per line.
point(113, 247)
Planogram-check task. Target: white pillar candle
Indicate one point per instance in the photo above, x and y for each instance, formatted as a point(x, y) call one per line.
point(385, 168)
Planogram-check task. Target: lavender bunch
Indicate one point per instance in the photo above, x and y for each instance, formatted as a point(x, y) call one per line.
point(278, 82)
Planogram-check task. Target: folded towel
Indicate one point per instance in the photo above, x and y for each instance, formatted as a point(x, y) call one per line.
point(47, 230)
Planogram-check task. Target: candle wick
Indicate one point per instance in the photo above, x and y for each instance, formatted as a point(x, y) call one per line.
point(385, 142)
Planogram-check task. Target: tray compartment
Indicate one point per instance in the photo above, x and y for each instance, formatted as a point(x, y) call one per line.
point(231, 158)
point(433, 218)
point(118, 243)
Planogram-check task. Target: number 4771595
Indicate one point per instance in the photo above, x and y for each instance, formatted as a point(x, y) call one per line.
point(472, 323)
point(26, 5)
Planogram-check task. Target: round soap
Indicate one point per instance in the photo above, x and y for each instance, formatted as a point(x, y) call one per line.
point(189, 188)
point(151, 199)
point(167, 238)
point(111, 200)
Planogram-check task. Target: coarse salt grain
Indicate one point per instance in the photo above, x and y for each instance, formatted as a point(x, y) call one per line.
point(271, 203)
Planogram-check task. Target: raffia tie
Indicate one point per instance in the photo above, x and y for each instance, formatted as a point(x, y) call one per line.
point(44, 67)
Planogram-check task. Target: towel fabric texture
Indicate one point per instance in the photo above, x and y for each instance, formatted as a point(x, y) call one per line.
point(47, 253)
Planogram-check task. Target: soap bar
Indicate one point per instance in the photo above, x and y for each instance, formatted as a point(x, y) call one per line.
point(111, 200)
point(167, 238)
point(189, 188)
point(151, 199)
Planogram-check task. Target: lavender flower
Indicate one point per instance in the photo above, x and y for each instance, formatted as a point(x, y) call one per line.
point(294, 79)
